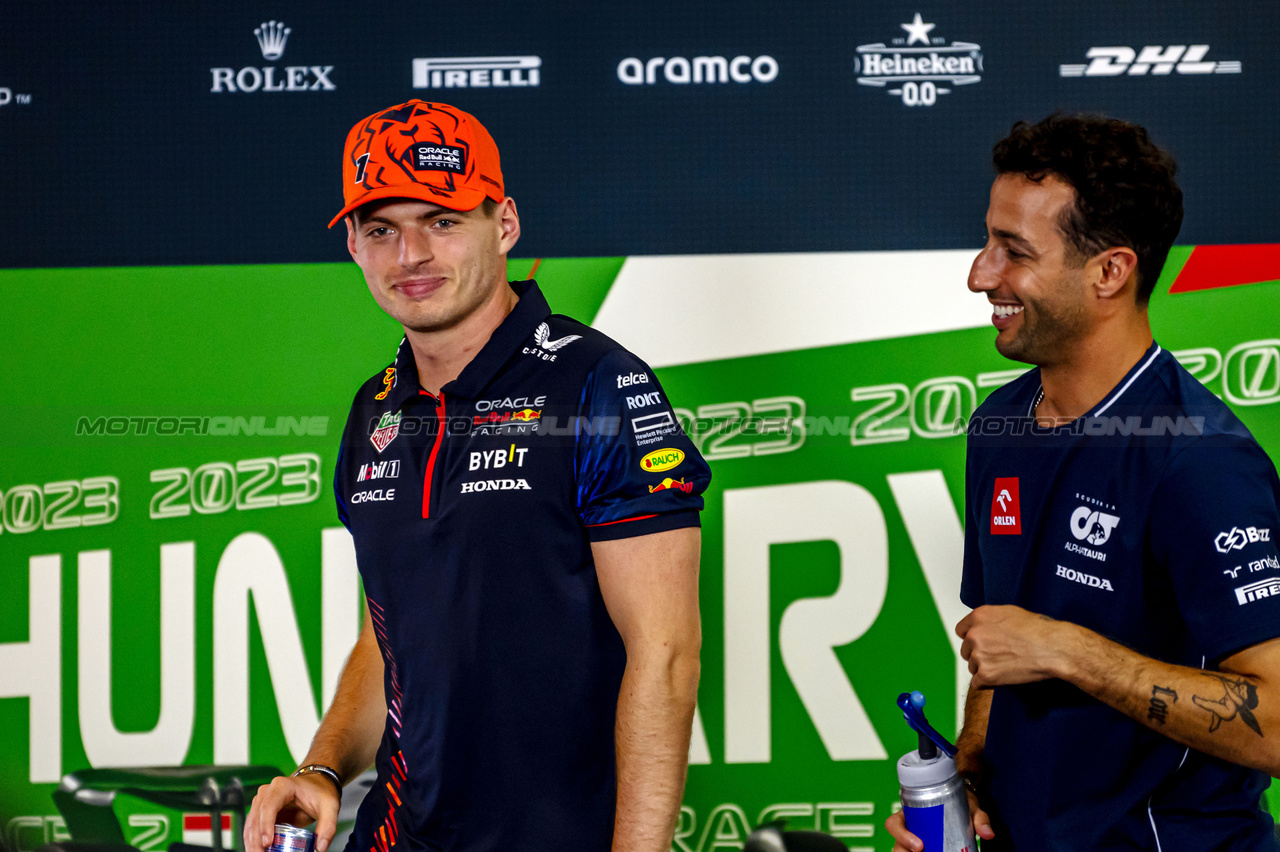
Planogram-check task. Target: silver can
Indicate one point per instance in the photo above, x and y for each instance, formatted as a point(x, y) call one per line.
point(934, 803)
point(287, 838)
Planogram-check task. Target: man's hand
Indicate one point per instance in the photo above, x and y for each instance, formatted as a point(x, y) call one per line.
point(1007, 645)
point(297, 801)
point(905, 841)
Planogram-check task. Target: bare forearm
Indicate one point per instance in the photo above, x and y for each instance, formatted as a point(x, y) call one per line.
point(655, 716)
point(973, 736)
point(1233, 715)
point(348, 736)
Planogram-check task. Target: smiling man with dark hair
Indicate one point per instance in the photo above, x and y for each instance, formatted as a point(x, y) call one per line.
point(1126, 675)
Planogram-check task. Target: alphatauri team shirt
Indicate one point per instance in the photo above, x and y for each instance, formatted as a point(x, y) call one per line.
point(1152, 521)
point(473, 514)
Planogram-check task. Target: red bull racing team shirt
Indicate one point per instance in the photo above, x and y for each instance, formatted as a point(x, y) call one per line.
point(473, 514)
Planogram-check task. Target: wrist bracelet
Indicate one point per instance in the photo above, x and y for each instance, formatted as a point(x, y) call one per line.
point(320, 769)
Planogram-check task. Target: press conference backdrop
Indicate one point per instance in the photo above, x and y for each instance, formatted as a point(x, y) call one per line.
point(774, 204)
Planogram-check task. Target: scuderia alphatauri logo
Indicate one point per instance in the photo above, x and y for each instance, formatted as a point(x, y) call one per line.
point(918, 67)
point(1091, 527)
point(272, 37)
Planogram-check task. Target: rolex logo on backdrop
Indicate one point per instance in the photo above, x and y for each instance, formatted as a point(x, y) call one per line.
point(272, 38)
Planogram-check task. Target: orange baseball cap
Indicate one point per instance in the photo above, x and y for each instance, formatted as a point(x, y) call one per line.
point(426, 151)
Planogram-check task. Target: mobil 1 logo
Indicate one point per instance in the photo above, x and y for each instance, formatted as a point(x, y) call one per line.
point(918, 67)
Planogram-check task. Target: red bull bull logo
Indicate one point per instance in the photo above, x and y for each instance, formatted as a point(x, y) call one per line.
point(678, 484)
point(389, 379)
point(526, 415)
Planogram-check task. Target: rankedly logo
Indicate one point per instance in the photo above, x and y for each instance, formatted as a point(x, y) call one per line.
point(388, 428)
point(1237, 538)
point(916, 72)
point(1006, 511)
point(389, 379)
point(476, 72)
point(1092, 526)
point(1155, 59)
point(659, 460)
point(272, 37)
point(678, 484)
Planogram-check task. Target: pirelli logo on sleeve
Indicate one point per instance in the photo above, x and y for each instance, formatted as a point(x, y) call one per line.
point(1268, 588)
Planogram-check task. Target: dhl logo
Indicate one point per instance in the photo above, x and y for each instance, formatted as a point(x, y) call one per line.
point(678, 484)
point(388, 380)
point(661, 460)
point(526, 414)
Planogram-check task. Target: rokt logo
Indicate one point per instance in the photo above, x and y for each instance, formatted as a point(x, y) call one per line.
point(1155, 59)
point(916, 72)
point(477, 72)
point(700, 69)
point(1092, 526)
point(272, 37)
point(1237, 538)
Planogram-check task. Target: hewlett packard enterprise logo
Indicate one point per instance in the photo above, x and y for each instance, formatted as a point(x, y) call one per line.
point(477, 72)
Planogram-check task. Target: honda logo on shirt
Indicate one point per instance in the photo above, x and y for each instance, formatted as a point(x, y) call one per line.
point(1006, 510)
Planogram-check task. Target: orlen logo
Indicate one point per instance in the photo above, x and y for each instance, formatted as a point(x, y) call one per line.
point(1006, 511)
point(917, 72)
point(477, 72)
point(1237, 538)
point(700, 69)
point(1153, 59)
point(272, 37)
point(660, 460)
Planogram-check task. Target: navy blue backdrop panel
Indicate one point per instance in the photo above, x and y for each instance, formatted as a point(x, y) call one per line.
point(173, 133)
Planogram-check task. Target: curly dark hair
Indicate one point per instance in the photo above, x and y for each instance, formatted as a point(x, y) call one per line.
point(1125, 191)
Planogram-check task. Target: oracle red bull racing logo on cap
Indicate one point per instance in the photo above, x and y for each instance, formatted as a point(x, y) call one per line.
point(660, 460)
point(668, 483)
point(388, 428)
point(1006, 511)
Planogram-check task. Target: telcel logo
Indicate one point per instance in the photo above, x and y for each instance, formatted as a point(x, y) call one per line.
point(701, 69)
point(1154, 59)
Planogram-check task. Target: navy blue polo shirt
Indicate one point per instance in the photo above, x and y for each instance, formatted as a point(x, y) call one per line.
point(1152, 521)
point(473, 515)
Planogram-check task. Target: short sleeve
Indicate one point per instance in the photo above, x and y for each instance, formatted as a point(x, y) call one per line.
point(972, 587)
point(636, 471)
point(1214, 519)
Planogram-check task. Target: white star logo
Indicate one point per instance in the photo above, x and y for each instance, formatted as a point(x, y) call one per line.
point(918, 30)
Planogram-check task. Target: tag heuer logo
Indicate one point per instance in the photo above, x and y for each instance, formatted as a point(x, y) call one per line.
point(918, 67)
point(388, 428)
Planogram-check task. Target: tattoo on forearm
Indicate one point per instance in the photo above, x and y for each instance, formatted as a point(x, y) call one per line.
point(1158, 710)
point(1241, 699)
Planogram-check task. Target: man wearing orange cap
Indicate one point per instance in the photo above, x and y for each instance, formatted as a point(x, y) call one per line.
point(527, 670)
